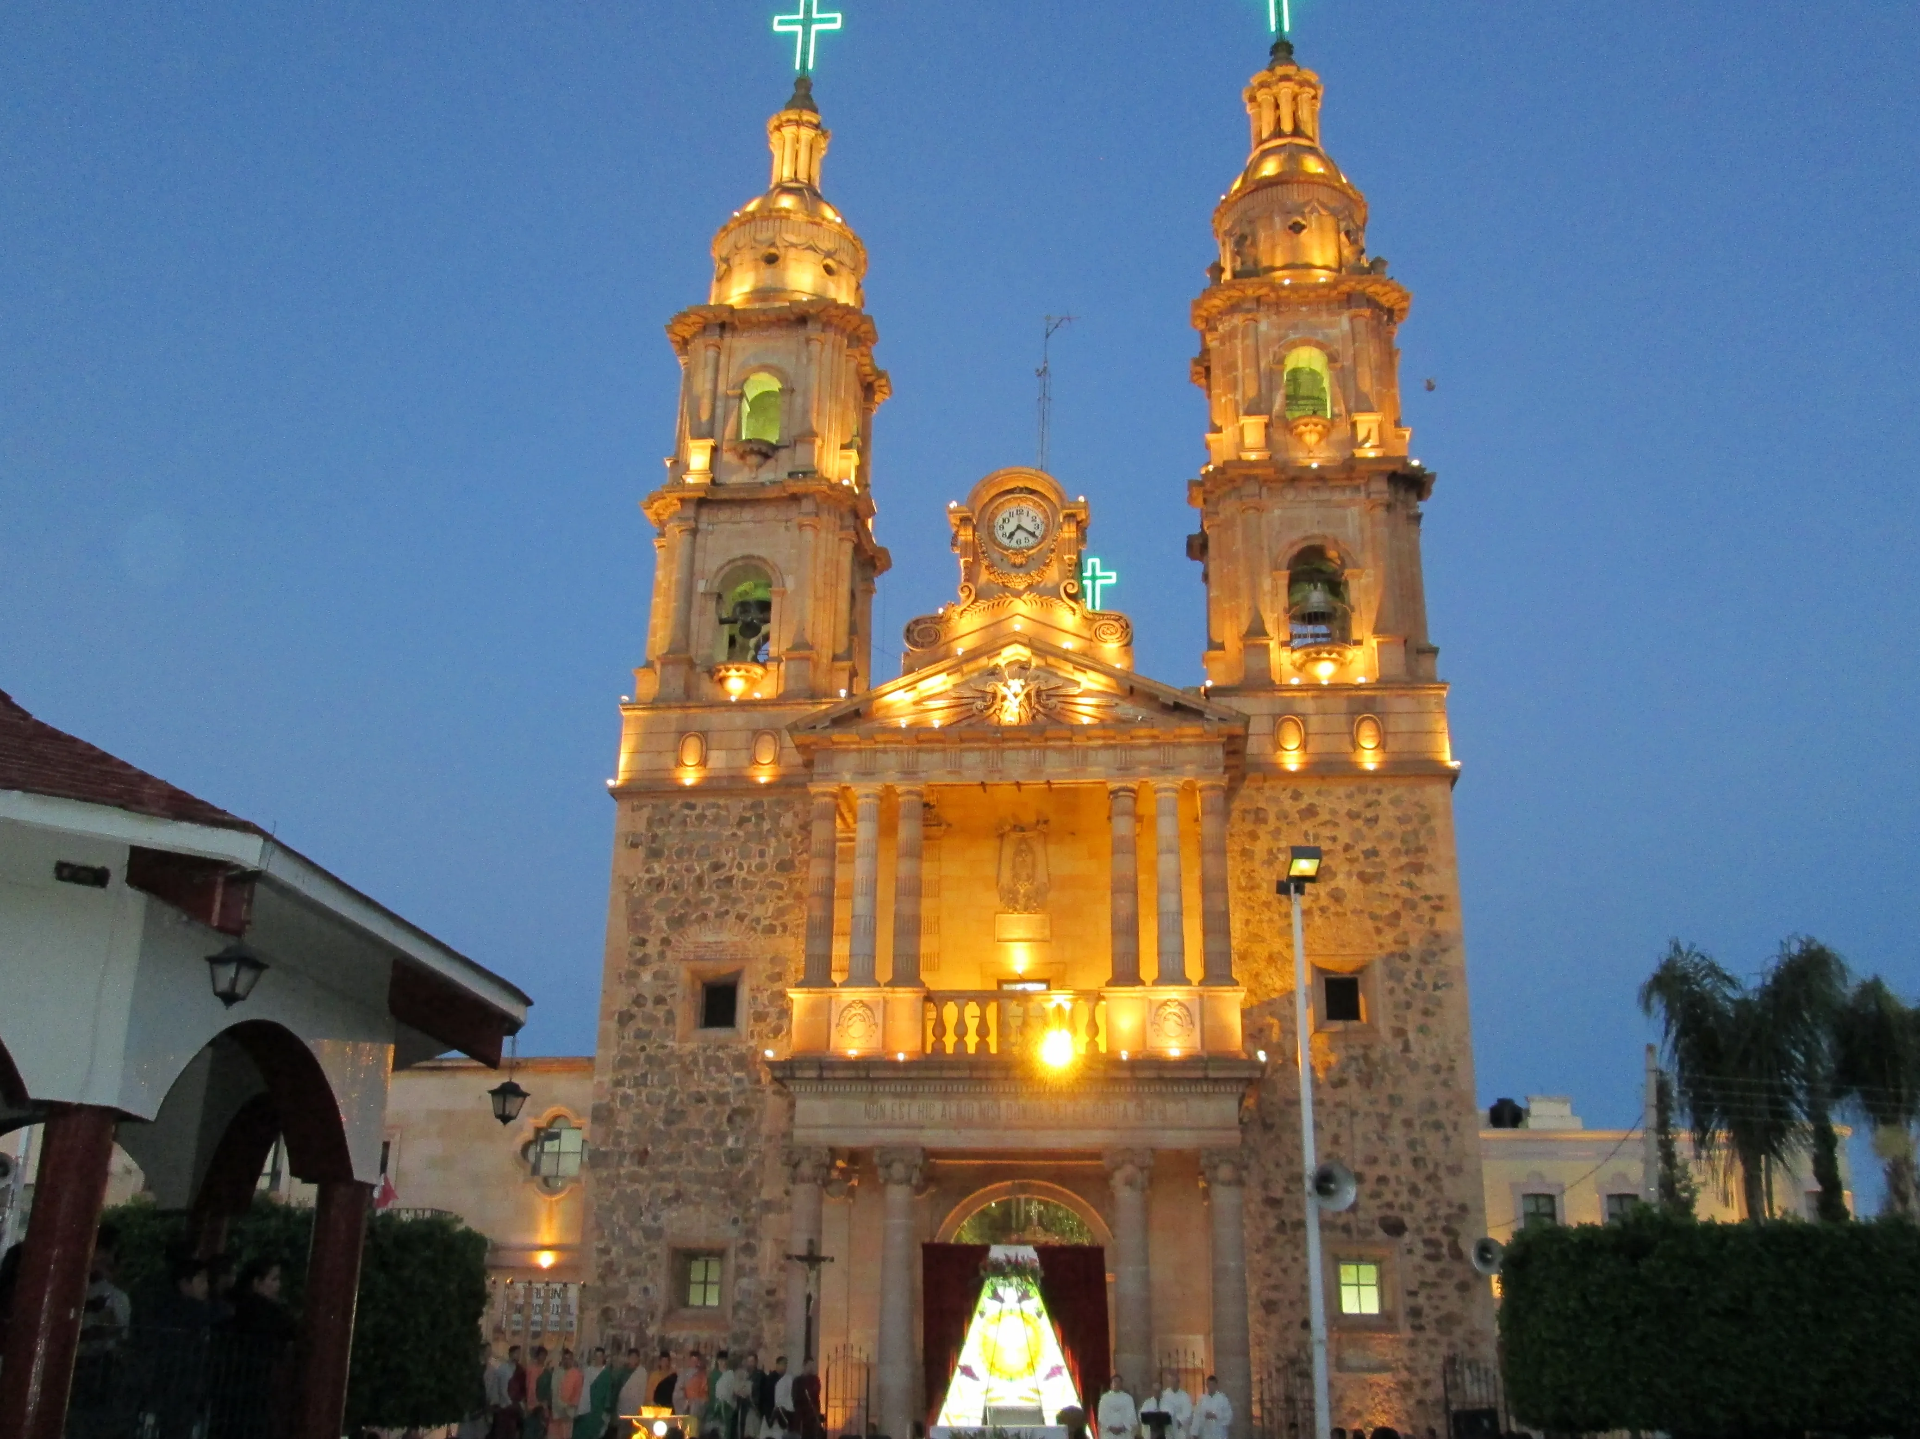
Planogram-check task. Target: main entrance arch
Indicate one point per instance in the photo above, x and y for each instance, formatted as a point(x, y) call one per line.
point(1025, 1211)
point(1073, 1241)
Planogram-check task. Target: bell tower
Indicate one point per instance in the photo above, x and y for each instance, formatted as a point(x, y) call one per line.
point(1310, 508)
point(763, 588)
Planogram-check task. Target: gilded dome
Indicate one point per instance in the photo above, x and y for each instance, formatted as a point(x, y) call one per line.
point(1291, 208)
point(790, 244)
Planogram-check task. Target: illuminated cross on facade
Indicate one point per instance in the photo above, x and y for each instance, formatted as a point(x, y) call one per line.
point(1094, 580)
point(805, 26)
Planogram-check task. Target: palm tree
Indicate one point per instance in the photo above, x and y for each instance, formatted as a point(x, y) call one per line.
point(1734, 1063)
point(1877, 1040)
point(1803, 996)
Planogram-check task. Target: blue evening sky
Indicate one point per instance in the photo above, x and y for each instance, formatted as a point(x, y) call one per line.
point(331, 372)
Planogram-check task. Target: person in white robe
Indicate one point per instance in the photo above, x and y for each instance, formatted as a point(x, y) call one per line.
point(1213, 1414)
point(1174, 1402)
point(1117, 1417)
point(783, 1422)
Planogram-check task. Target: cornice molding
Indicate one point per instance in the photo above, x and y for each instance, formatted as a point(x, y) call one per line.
point(1266, 292)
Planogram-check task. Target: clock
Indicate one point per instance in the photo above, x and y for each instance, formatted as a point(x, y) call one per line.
point(1020, 526)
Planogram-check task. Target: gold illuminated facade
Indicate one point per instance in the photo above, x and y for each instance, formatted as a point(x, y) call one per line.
point(882, 951)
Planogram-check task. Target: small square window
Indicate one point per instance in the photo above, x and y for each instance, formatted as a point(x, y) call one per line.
point(1619, 1206)
point(720, 1004)
point(701, 1289)
point(1539, 1209)
point(1340, 999)
point(1360, 1287)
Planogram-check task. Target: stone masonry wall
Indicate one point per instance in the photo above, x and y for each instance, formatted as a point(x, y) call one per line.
point(1394, 1098)
point(687, 1136)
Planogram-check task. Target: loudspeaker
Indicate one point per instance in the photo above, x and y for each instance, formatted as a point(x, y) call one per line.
point(1334, 1186)
point(1487, 1254)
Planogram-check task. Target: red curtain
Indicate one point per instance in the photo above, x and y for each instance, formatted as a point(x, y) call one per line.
point(1073, 1282)
point(950, 1286)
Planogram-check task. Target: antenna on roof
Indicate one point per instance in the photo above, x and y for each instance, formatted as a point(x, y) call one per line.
point(1045, 375)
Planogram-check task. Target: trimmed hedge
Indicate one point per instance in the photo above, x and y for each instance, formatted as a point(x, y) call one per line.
point(423, 1292)
point(1662, 1323)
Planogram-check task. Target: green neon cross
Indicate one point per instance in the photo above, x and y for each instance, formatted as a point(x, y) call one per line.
point(1094, 580)
point(805, 26)
point(1279, 17)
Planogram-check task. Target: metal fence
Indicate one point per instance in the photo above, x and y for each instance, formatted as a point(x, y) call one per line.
point(1476, 1401)
point(1283, 1399)
point(182, 1384)
point(847, 1391)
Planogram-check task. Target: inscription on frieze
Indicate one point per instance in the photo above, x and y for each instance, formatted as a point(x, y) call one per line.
point(1024, 1113)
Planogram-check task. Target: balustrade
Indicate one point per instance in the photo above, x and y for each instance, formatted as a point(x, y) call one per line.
point(1013, 1021)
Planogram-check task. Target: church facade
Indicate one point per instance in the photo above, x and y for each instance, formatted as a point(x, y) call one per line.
point(996, 940)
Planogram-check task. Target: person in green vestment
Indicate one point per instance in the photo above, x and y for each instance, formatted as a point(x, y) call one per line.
point(596, 1403)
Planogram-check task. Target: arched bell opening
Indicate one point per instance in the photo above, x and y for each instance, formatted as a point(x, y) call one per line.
point(1307, 384)
point(760, 408)
point(1319, 611)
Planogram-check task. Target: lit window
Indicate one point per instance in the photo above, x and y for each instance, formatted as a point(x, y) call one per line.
point(1538, 1209)
point(556, 1154)
point(1619, 1206)
point(1340, 998)
point(1359, 1287)
point(703, 1281)
point(1309, 384)
point(720, 1004)
point(760, 408)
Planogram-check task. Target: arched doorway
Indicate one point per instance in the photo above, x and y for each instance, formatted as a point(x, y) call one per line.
point(1071, 1239)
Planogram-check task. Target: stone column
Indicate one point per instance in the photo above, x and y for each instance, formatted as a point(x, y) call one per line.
point(1215, 924)
point(906, 888)
point(1125, 902)
point(808, 1169)
point(51, 1290)
point(333, 1289)
point(862, 957)
point(1172, 927)
point(1129, 1171)
point(823, 854)
point(1232, 1349)
point(681, 529)
point(900, 1171)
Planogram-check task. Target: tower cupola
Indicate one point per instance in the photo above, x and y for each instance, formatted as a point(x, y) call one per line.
point(790, 244)
point(1291, 210)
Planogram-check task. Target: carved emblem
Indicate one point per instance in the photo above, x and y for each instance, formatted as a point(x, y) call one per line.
point(857, 1028)
point(1023, 869)
point(1018, 692)
point(1172, 1023)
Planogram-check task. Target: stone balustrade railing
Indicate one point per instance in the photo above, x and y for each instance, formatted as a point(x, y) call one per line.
point(1013, 1021)
point(909, 1022)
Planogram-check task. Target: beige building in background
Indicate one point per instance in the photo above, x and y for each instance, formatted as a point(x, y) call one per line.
point(1551, 1168)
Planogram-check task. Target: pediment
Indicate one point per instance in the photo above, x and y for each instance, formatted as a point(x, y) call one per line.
point(1024, 685)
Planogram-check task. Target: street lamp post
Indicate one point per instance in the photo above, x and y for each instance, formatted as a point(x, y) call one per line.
point(1303, 868)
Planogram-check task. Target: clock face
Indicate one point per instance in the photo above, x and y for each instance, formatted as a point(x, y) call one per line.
point(1020, 526)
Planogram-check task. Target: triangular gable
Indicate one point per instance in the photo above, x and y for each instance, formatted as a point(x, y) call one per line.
point(1026, 682)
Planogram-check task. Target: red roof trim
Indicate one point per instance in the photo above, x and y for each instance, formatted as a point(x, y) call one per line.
point(36, 758)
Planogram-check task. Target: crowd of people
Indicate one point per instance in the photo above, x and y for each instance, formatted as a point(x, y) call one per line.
point(200, 1353)
point(531, 1397)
